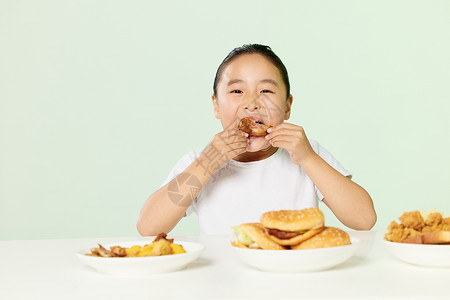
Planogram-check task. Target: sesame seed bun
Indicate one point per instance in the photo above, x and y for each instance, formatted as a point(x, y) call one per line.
point(329, 237)
point(294, 220)
point(258, 234)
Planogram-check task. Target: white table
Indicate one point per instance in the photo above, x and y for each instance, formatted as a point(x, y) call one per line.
point(49, 269)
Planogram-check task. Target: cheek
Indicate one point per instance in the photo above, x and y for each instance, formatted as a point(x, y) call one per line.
point(276, 112)
point(228, 109)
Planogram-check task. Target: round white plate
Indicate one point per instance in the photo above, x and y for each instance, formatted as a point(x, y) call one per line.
point(307, 260)
point(420, 254)
point(366, 240)
point(142, 265)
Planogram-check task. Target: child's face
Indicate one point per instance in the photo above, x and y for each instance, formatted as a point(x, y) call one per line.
point(251, 85)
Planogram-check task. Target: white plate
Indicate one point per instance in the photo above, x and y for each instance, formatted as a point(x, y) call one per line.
point(142, 265)
point(366, 238)
point(306, 260)
point(420, 254)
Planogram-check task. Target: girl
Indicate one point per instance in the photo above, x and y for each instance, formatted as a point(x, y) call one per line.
point(238, 177)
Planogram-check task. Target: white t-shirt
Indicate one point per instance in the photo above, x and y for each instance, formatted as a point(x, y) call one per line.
point(240, 192)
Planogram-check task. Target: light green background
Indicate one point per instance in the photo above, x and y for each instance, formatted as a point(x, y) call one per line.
point(93, 94)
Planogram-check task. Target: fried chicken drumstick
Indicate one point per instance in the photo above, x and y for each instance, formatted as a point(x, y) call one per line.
point(253, 127)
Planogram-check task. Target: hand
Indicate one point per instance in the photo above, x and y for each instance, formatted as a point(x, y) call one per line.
point(292, 138)
point(225, 146)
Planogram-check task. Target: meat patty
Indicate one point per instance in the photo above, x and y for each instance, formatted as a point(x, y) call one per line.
point(282, 234)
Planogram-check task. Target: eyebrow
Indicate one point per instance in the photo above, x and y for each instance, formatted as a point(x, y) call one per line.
point(233, 81)
point(270, 81)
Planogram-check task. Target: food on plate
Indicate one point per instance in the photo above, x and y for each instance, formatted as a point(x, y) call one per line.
point(420, 228)
point(436, 237)
point(291, 227)
point(115, 251)
point(160, 246)
point(254, 236)
point(329, 237)
point(253, 126)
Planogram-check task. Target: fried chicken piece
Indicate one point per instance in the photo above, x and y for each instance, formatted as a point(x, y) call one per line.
point(398, 233)
point(163, 235)
point(245, 125)
point(160, 246)
point(101, 251)
point(434, 220)
point(253, 127)
point(417, 228)
point(412, 233)
point(118, 251)
point(395, 232)
point(445, 225)
point(115, 251)
point(427, 229)
point(412, 219)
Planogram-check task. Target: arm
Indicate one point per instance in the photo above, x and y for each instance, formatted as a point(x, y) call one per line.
point(349, 202)
point(162, 211)
point(164, 208)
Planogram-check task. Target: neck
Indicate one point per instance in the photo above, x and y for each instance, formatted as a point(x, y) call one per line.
point(255, 156)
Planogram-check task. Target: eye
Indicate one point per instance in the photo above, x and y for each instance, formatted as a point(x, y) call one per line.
point(266, 91)
point(236, 91)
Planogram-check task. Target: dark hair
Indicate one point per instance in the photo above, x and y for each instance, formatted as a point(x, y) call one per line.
point(265, 51)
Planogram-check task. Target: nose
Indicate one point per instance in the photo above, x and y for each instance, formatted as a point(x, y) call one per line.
point(253, 104)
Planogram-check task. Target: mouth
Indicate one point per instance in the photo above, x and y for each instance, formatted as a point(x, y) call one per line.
point(255, 120)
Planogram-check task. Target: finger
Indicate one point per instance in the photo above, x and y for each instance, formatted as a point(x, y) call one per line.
point(236, 152)
point(235, 139)
point(287, 141)
point(284, 132)
point(242, 144)
point(233, 132)
point(288, 126)
point(283, 138)
point(227, 140)
point(282, 125)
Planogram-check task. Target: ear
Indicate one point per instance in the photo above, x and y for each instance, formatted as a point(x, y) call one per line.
point(287, 113)
point(215, 106)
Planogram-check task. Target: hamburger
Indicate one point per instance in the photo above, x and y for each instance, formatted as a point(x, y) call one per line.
point(253, 126)
point(329, 237)
point(254, 236)
point(291, 227)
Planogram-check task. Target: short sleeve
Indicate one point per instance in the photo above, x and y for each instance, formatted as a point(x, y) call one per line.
point(326, 156)
point(184, 162)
